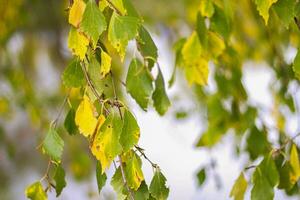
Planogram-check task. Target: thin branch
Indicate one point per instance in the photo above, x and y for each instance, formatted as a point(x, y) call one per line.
point(54, 123)
point(297, 22)
point(91, 85)
point(142, 152)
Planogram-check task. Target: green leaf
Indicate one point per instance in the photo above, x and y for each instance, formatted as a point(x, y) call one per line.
point(158, 188)
point(269, 170)
point(133, 171)
point(220, 23)
point(257, 143)
point(263, 7)
point(201, 176)
point(178, 59)
point(106, 144)
point(262, 190)
point(101, 178)
point(147, 47)
point(118, 184)
point(122, 29)
point(142, 193)
point(60, 181)
point(53, 145)
point(36, 192)
point(159, 96)
point(265, 177)
point(296, 65)
point(131, 11)
point(206, 8)
point(285, 9)
point(78, 43)
point(130, 132)
point(239, 188)
point(69, 122)
point(73, 75)
point(93, 22)
point(139, 83)
point(202, 30)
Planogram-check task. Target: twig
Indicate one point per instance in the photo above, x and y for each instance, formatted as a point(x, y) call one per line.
point(91, 85)
point(297, 22)
point(142, 152)
point(54, 123)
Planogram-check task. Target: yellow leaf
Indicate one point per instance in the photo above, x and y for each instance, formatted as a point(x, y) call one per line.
point(294, 160)
point(84, 118)
point(102, 5)
point(195, 65)
point(197, 72)
point(206, 8)
point(77, 42)
point(106, 146)
point(76, 12)
point(239, 188)
point(133, 170)
point(263, 7)
point(105, 63)
point(215, 44)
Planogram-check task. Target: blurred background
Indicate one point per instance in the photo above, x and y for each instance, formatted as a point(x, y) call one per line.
point(34, 53)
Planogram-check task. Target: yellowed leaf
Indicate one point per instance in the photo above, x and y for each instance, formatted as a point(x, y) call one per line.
point(195, 65)
point(78, 43)
point(105, 63)
point(294, 160)
point(106, 146)
point(263, 7)
point(76, 12)
point(84, 118)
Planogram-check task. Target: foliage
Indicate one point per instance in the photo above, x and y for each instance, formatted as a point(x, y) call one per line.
point(222, 36)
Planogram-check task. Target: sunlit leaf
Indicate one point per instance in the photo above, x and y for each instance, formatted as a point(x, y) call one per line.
point(36, 192)
point(263, 7)
point(77, 43)
point(85, 118)
point(196, 66)
point(206, 8)
point(239, 188)
point(105, 63)
point(106, 144)
point(295, 165)
point(76, 12)
point(121, 30)
point(133, 171)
